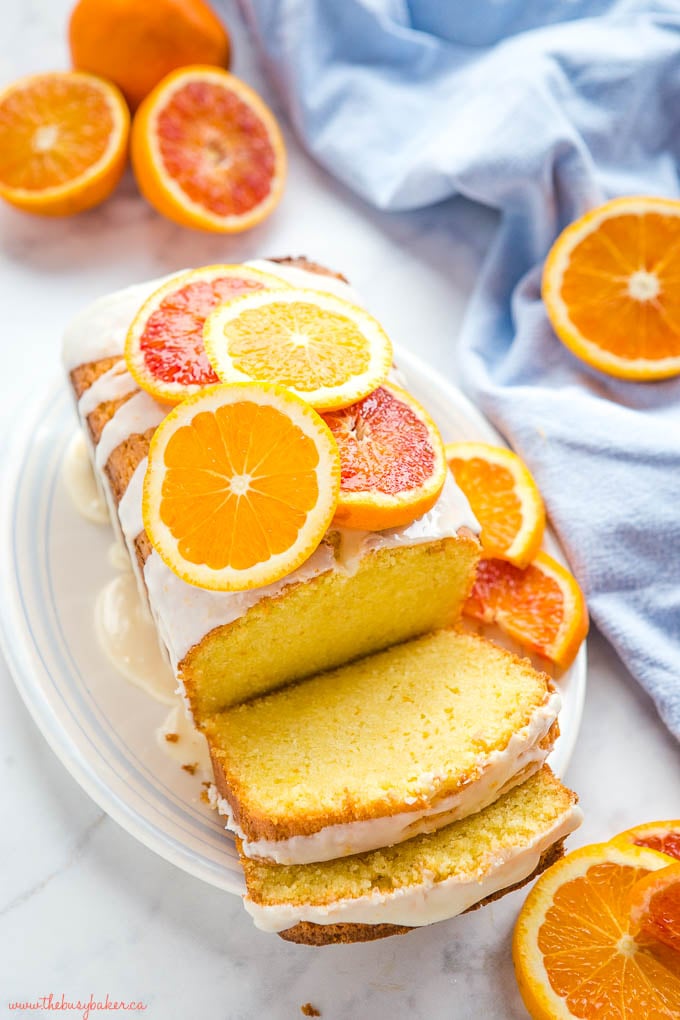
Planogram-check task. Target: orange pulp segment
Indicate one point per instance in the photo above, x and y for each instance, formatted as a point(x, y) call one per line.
point(663, 836)
point(241, 485)
point(207, 152)
point(573, 949)
point(541, 606)
point(610, 287)
point(328, 351)
point(63, 142)
point(504, 499)
point(164, 348)
point(392, 465)
point(655, 907)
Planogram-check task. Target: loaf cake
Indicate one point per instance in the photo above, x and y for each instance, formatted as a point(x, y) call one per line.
point(428, 878)
point(381, 770)
point(400, 742)
point(362, 590)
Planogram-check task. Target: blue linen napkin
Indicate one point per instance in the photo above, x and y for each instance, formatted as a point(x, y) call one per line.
point(539, 109)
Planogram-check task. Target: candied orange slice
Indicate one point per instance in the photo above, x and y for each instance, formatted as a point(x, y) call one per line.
point(241, 485)
point(164, 348)
point(207, 152)
point(541, 605)
point(63, 142)
point(392, 465)
point(328, 351)
point(610, 287)
point(574, 951)
point(504, 499)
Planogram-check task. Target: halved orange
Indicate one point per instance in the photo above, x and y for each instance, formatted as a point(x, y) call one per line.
point(504, 498)
point(241, 485)
point(541, 606)
point(655, 907)
point(63, 142)
point(610, 287)
point(326, 350)
point(573, 949)
point(661, 836)
point(164, 348)
point(207, 152)
point(392, 465)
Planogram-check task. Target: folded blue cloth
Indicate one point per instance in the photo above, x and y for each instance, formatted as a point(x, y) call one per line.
point(539, 109)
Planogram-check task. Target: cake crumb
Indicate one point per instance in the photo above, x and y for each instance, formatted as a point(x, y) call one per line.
point(191, 769)
point(309, 1010)
point(172, 738)
point(204, 797)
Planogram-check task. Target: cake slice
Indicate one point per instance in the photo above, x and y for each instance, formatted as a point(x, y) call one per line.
point(429, 878)
point(400, 742)
point(360, 591)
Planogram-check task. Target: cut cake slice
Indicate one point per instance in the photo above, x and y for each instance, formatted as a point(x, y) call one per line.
point(359, 592)
point(427, 879)
point(400, 742)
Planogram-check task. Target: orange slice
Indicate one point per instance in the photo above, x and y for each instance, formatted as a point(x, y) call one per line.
point(164, 347)
point(504, 499)
point(655, 907)
point(541, 606)
point(241, 485)
point(392, 465)
point(207, 152)
point(326, 350)
point(610, 288)
point(661, 836)
point(573, 949)
point(63, 142)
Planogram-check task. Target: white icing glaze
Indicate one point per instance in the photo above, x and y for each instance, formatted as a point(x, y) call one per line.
point(99, 330)
point(498, 773)
point(135, 416)
point(112, 385)
point(126, 634)
point(190, 747)
point(81, 481)
point(185, 614)
point(297, 277)
point(425, 902)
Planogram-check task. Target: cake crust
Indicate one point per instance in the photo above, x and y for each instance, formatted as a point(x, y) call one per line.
point(309, 934)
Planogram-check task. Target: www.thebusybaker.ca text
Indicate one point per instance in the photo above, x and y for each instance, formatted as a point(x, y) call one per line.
point(83, 1006)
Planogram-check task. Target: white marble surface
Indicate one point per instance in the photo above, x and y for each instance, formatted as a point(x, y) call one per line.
point(83, 907)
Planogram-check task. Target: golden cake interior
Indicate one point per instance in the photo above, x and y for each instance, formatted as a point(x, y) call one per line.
point(387, 734)
point(465, 849)
point(394, 594)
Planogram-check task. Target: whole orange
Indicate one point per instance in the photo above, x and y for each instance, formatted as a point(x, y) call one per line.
point(136, 44)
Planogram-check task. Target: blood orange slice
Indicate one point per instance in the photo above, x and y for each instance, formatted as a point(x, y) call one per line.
point(655, 907)
point(164, 348)
point(241, 485)
point(661, 836)
point(207, 152)
point(392, 464)
point(541, 606)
